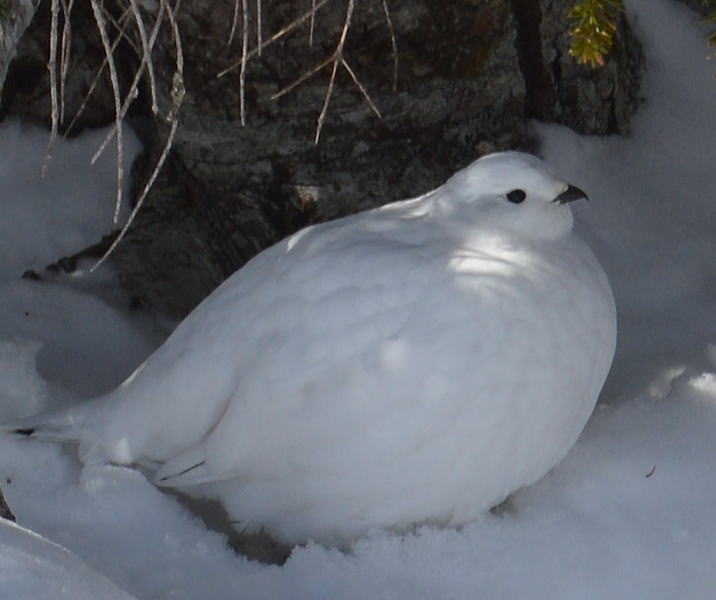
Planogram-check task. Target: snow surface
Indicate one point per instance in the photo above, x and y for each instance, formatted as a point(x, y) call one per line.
point(33, 568)
point(630, 512)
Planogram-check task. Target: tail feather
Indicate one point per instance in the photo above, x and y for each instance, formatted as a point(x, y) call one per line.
point(61, 425)
point(185, 469)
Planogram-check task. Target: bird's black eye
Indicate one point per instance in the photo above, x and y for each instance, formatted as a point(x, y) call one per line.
point(516, 196)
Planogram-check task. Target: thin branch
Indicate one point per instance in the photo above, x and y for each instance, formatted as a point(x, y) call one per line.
point(99, 19)
point(355, 79)
point(121, 31)
point(52, 68)
point(147, 50)
point(97, 77)
point(302, 78)
point(346, 27)
point(244, 62)
point(65, 52)
point(234, 22)
point(132, 92)
point(275, 37)
point(393, 43)
point(313, 23)
point(326, 101)
point(177, 94)
point(337, 57)
point(259, 26)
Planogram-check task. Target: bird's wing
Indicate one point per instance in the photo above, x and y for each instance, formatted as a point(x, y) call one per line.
point(335, 335)
point(312, 316)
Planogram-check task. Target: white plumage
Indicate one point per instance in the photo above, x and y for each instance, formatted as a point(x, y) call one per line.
point(413, 363)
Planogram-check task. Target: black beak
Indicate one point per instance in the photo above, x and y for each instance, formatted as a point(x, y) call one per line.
point(571, 194)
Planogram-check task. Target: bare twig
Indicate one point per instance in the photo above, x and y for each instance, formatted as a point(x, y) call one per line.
point(52, 68)
point(132, 92)
point(360, 86)
point(346, 27)
point(337, 58)
point(307, 75)
point(234, 22)
point(121, 30)
point(275, 37)
point(326, 101)
point(177, 94)
point(259, 26)
point(393, 43)
point(65, 51)
point(313, 23)
point(99, 19)
point(244, 62)
point(146, 51)
point(97, 76)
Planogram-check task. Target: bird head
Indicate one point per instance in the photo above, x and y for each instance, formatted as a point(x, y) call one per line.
point(511, 191)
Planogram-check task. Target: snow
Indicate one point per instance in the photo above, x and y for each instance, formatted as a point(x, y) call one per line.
point(628, 514)
point(32, 567)
point(63, 211)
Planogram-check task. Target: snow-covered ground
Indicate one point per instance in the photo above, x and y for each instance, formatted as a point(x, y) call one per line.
point(630, 513)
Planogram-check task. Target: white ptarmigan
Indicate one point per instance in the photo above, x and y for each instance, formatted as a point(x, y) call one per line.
point(413, 363)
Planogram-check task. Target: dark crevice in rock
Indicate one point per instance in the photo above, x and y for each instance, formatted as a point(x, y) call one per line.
point(539, 90)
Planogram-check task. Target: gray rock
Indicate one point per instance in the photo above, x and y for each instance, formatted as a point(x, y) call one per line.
point(589, 100)
point(15, 17)
point(460, 93)
point(470, 74)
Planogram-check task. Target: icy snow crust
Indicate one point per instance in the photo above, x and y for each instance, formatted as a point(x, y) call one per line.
point(628, 514)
